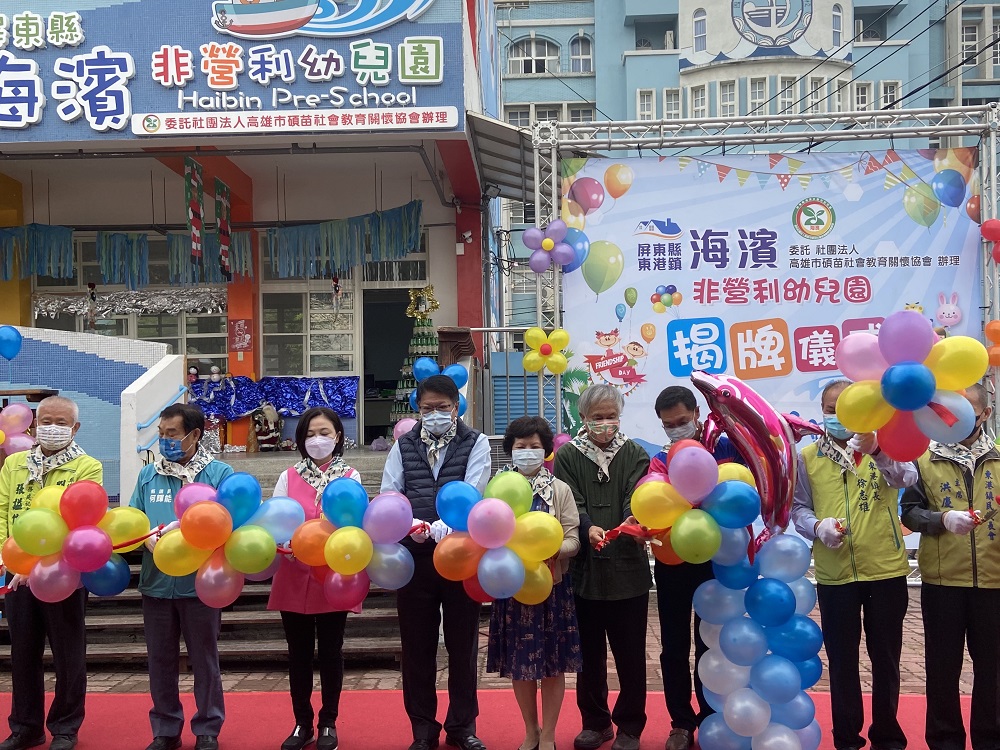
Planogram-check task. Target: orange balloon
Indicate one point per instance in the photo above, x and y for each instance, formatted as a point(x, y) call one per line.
point(648, 332)
point(993, 331)
point(994, 353)
point(15, 559)
point(206, 525)
point(309, 541)
point(665, 552)
point(961, 160)
point(618, 179)
point(677, 297)
point(456, 557)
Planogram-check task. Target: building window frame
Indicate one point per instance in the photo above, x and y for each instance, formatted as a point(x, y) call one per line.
point(581, 54)
point(817, 86)
point(861, 99)
point(787, 95)
point(837, 25)
point(535, 56)
point(970, 44)
point(699, 30)
point(889, 91)
point(755, 104)
point(523, 113)
point(699, 102)
point(996, 36)
point(645, 104)
point(729, 104)
point(581, 114)
point(672, 104)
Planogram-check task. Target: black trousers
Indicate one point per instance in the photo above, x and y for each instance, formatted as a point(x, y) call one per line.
point(675, 587)
point(31, 620)
point(622, 625)
point(420, 604)
point(956, 617)
point(302, 633)
point(883, 604)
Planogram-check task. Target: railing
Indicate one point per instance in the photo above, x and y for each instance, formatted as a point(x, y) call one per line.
point(181, 390)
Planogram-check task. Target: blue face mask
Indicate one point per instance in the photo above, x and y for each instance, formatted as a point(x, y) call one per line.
point(835, 429)
point(172, 449)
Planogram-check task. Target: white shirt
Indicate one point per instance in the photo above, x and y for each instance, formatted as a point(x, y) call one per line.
point(477, 472)
point(281, 486)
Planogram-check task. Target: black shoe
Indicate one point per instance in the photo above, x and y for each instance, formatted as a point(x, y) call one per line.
point(206, 742)
point(22, 741)
point(625, 741)
point(466, 743)
point(327, 739)
point(164, 743)
point(299, 738)
point(591, 739)
point(423, 744)
point(63, 742)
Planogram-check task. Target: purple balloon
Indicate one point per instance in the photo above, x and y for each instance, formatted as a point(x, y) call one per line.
point(532, 238)
point(267, 572)
point(190, 494)
point(52, 579)
point(491, 523)
point(562, 254)
point(87, 548)
point(17, 443)
point(539, 261)
point(694, 473)
point(391, 566)
point(16, 418)
point(556, 231)
point(905, 336)
point(218, 583)
point(388, 518)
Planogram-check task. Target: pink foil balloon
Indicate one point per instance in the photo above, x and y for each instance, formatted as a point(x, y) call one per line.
point(859, 357)
point(388, 518)
point(402, 427)
point(218, 583)
point(87, 548)
point(52, 579)
point(16, 418)
point(190, 494)
point(346, 592)
point(491, 523)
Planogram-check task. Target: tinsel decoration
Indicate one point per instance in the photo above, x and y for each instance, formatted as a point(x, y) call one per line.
point(423, 303)
point(142, 302)
point(194, 196)
point(223, 220)
point(236, 397)
point(124, 259)
point(183, 272)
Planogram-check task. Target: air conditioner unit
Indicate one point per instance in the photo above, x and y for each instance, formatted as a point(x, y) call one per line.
point(859, 28)
point(668, 40)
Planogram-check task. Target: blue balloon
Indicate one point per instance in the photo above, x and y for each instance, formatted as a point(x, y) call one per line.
point(454, 501)
point(501, 572)
point(671, 289)
point(10, 342)
point(737, 576)
point(345, 502)
point(458, 374)
point(716, 604)
point(581, 249)
point(798, 639)
point(805, 595)
point(413, 400)
point(811, 736)
point(391, 566)
point(110, 579)
point(621, 311)
point(733, 504)
point(770, 602)
point(784, 557)
point(775, 679)
point(424, 367)
point(240, 494)
point(281, 516)
point(716, 701)
point(908, 386)
point(462, 405)
point(798, 713)
point(743, 641)
point(661, 290)
point(733, 547)
point(937, 429)
point(715, 734)
point(810, 671)
point(949, 187)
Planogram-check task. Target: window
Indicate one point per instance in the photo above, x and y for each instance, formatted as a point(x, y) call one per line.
point(700, 30)
point(643, 43)
point(519, 117)
point(838, 95)
point(890, 93)
point(758, 96)
point(862, 96)
point(645, 105)
point(581, 114)
point(786, 99)
point(996, 49)
point(838, 26)
point(581, 55)
point(551, 112)
point(970, 44)
point(530, 56)
point(671, 104)
point(699, 102)
point(816, 86)
point(727, 99)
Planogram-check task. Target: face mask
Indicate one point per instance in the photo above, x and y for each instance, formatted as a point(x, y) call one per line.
point(53, 437)
point(683, 432)
point(602, 431)
point(320, 446)
point(527, 460)
point(437, 422)
point(835, 429)
point(172, 449)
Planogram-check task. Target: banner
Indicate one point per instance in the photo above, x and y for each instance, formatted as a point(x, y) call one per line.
point(687, 264)
point(194, 197)
point(223, 220)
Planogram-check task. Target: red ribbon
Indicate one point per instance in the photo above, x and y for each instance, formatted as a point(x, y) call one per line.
point(944, 413)
point(142, 538)
point(631, 529)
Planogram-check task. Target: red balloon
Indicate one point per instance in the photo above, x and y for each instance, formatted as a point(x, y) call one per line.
point(679, 446)
point(996, 252)
point(654, 298)
point(990, 230)
point(972, 208)
point(475, 591)
point(83, 504)
point(901, 439)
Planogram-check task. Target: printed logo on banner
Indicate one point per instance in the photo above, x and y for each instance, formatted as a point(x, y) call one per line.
point(760, 349)
point(813, 218)
point(668, 230)
point(816, 348)
point(696, 344)
point(620, 363)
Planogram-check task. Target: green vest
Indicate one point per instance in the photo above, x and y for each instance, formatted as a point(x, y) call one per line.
point(874, 549)
point(948, 559)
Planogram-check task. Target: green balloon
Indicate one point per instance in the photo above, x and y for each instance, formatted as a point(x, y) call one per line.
point(603, 266)
point(667, 300)
point(569, 167)
point(921, 204)
point(250, 549)
point(513, 489)
point(40, 531)
point(631, 296)
point(695, 536)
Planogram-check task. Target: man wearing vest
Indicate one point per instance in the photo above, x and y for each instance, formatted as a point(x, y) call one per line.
point(959, 560)
point(440, 449)
point(170, 605)
point(56, 461)
point(845, 503)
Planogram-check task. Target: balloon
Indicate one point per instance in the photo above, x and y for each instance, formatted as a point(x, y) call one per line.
point(618, 179)
point(972, 208)
point(573, 215)
point(776, 737)
point(657, 505)
point(743, 642)
point(425, 367)
point(714, 734)
point(174, 556)
point(39, 532)
point(654, 298)
point(810, 737)
point(949, 187)
point(217, 583)
point(719, 674)
point(694, 473)
point(533, 238)
point(556, 230)
point(267, 572)
point(746, 713)
point(49, 497)
point(125, 524)
point(281, 516)
point(733, 546)
point(388, 518)
point(861, 408)
point(905, 336)
point(348, 550)
point(810, 671)
point(240, 494)
point(603, 266)
point(714, 603)
point(309, 541)
point(458, 374)
point(562, 254)
point(661, 290)
point(345, 593)
point(961, 160)
point(206, 525)
point(250, 549)
point(737, 576)
point(659, 307)
point(456, 557)
point(648, 332)
point(16, 418)
point(110, 579)
point(797, 640)
point(901, 439)
point(10, 342)
point(539, 261)
point(805, 595)
point(990, 230)
point(907, 386)
point(413, 400)
point(491, 523)
point(676, 298)
point(513, 489)
point(733, 505)
point(921, 205)
point(454, 502)
point(859, 356)
point(345, 502)
point(462, 405)
point(930, 423)
point(501, 573)
point(189, 494)
point(653, 476)
point(620, 311)
point(83, 503)
point(798, 713)
point(15, 559)
point(580, 244)
point(537, 584)
point(710, 633)
point(475, 591)
point(957, 362)
point(402, 427)
point(695, 536)
point(995, 252)
point(391, 566)
point(679, 445)
point(588, 193)
point(53, 579)
point(734, 472)
point(86, 548)
point(538, 536)
point(17, 443)
point(631, 296)
point(664, 551)
point(784, 557)
point(770, 602)
point(716, 702)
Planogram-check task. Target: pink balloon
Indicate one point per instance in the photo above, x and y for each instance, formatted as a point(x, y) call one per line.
point(588, 193)
point(532, 238)
point(694, 473)
point(402, 427)
point(560, 440)
point(346, 592)
point(905, 336)
point(268, 572)
point(87, 548)
point(491, 523)
point(653, 476)
point(52, 579)
point(16, 418)
point(218, 583)
point(17, 443)
point(190, 494)
point(388, 518)
point(859, 357)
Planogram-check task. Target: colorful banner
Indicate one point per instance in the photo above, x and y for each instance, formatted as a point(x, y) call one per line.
point(680, 269)
point(223, 220)
point(194, 197)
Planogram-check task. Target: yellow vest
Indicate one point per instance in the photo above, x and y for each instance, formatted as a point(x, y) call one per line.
point(948, 559)
point(874, 548)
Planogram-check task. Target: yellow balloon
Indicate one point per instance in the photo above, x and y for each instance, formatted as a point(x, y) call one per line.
point(957, 362)
point(547, 244)
point(656, 505)
point(3, 437)
point(48, 497)
point(572, 214)
point(175, 557)
point(123, 524)
point(861, 408)
point(537, 584)
point(534, 338)
point(537, 536)
point(557, 363)
point(659, 307)
point(736, 472)
point(348, 550)
point(559, 339)
point(533, 361)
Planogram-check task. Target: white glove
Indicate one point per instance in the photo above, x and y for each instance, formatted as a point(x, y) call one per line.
point(827, 532)
point(958, 521)
point(439, 530)
point(170, 527)
point(423, 534)
point(17, 580)
point(866, 443)
point(151, 541)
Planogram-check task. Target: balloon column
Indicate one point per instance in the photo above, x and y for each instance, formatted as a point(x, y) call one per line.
point(906, 382)
point(15, 420)
point(425, 367)
point(664, 297)
point(763, 647)
point(545, 350)
point(548, 246)
point(990, 231)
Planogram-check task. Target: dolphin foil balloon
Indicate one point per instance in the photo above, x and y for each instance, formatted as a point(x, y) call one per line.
point(764, 437)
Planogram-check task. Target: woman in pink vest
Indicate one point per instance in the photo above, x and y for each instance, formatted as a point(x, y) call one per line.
point(305, 613)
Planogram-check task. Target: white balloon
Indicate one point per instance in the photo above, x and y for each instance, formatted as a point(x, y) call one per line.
point(720, 675)
point(805, 595)
point(709, 632)
point(733, 547)
point(745, 712)
point(776, 737)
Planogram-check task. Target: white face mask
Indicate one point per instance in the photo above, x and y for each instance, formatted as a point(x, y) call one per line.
point(527, 460)
point(437, 422)
point(684, 432)
point(320, 446)
point(53, 437)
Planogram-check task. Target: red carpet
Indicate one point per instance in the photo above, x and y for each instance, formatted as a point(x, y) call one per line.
point(375, 719)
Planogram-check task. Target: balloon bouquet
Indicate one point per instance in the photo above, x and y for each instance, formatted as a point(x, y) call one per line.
point(15, 420)
point(424, 368)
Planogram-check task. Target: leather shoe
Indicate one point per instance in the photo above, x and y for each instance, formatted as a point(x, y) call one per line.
point(63, 742)
point(625, 741)
point(164, 743)
point(591, 739)
point(679, 739)
point(327, 739)
point(206, 742)
point(22, 741)
point(423, 744)
point(466, 743)
point(298, 739)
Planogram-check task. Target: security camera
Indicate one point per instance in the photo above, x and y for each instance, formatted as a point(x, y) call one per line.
point(467, 237)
